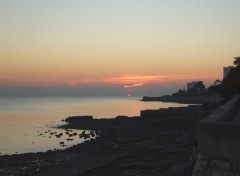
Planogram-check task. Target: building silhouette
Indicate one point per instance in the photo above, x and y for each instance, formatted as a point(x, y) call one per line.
point(226, 70)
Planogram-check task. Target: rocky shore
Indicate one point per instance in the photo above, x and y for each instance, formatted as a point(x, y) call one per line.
point(123, 146)
point(186, 99)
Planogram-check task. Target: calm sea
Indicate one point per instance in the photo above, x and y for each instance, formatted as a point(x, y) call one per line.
point(26, 122)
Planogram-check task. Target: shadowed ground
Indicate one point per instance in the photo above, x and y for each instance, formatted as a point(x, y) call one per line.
point(129, 146)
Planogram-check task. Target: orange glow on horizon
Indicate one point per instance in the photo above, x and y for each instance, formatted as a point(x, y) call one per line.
point(134, 81)
point(125, 81)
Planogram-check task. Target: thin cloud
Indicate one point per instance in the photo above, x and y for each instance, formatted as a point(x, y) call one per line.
point(134, 85)
point(126, 80)
point(134, 81)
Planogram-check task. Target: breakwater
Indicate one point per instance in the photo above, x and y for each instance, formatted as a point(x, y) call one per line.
point(189, 113)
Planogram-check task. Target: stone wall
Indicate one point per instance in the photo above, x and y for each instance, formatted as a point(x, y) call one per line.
point(218, 142)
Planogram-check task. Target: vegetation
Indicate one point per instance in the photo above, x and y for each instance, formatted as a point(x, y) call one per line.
point(225, 88)
point(236, 61)
point(230, 85)
point(197, 90)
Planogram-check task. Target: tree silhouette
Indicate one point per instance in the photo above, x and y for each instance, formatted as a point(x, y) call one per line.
point(237, 61)
point(231, 83)
point(217, 82)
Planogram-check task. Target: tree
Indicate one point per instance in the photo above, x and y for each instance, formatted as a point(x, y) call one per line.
point(217, 82)
point(216, 88)
point(180, 93)
point(237, 61)
point(197, 89)
point(231, 83)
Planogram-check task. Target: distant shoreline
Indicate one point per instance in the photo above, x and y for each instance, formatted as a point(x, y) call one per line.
point(185, 100)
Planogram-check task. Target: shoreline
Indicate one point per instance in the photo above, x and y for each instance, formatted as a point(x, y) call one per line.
point(185, 100)
point(125, 145)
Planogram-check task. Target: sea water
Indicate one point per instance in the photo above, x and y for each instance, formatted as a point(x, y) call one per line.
point(28, 124)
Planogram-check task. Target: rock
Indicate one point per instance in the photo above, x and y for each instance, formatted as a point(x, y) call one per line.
point(59, 135)
point(86, 136)
point(92, 134)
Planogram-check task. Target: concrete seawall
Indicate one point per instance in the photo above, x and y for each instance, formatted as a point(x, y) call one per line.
point(218, 142)
point(190, 113)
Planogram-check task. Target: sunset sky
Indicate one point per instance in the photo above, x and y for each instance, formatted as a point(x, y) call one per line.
point(114, 47)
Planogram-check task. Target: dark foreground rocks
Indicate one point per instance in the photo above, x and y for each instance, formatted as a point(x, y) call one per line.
point(123, 147)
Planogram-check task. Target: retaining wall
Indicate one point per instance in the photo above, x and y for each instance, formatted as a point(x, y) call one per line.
point(218, 142)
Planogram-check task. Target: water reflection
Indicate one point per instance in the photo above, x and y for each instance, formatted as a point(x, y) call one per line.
point(22, 117)
point(44, 139)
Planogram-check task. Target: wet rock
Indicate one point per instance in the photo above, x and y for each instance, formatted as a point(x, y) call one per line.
point(92, 134)
point(59, 135)
point(86, 136)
